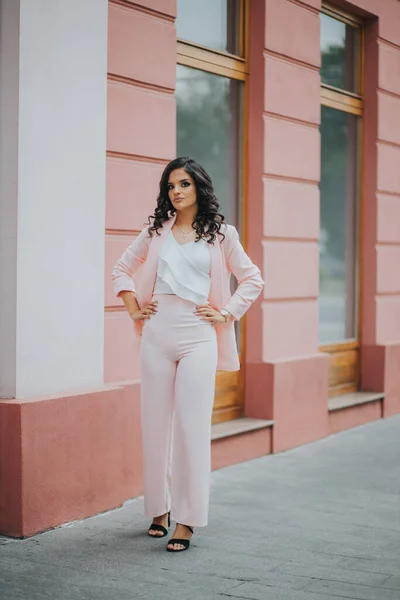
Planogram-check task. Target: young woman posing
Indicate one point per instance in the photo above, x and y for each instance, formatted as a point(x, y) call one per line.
point(185, 313)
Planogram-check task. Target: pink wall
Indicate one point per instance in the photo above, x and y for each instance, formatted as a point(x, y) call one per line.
point(291, 174)
point(388, 183)
point(287, 93)
point(381, 206)
point(287, 378)
point(141, 133)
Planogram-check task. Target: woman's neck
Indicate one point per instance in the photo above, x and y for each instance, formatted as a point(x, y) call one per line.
point(184, 219)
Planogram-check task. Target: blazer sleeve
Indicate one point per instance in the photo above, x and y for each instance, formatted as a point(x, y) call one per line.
point(133, 257)
point(245, 271)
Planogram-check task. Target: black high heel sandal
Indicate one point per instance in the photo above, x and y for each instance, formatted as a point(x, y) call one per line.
point(184, 543)
point(155, 527)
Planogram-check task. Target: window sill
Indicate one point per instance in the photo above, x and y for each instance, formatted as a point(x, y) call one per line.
point(237, 427)
point(354, 399)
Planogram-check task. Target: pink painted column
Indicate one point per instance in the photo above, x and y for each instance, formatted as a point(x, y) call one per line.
point(286, 375)
point(141, 138)
point(381, 214)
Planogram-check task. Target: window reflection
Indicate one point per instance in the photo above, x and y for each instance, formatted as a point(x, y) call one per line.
point(210, 23)
point(339, 54)
point(338, 241)
point(209, 130)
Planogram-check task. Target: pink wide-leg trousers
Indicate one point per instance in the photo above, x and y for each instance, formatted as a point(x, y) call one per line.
point(178, 368)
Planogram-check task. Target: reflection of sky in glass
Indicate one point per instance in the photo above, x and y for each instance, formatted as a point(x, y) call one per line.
point(333, 33)
point(192, 87)
point(203, 22)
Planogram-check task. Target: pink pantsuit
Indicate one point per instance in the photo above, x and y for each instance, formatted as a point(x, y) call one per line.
point(179, 358)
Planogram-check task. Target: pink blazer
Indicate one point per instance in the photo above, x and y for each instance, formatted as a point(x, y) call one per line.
point(227, 256)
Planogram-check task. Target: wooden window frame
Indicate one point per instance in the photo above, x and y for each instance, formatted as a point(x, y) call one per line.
point(200, 57)
point(213, 61)
point(347, 352)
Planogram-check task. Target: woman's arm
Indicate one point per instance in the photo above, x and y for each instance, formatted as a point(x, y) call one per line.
point(133, 308)
point(129, 299)
point(122, 273)
point(245, 271)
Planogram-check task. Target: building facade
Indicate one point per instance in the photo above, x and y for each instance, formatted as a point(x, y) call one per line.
point(293, 106)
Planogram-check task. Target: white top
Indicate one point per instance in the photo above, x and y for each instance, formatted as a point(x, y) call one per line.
point(184, 270)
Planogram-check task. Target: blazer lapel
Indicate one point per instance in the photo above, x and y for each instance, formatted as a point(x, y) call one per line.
point(217, 274)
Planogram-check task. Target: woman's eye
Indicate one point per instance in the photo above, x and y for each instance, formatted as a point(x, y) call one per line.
point(170, 187)
point(185, 184)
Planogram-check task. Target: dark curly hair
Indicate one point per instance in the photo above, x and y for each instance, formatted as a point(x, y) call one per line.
point(208, 220)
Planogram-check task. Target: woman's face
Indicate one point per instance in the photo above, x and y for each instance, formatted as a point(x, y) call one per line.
point(181, 190)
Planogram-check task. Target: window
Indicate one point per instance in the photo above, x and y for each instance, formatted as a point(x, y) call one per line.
point(215, 24)
point(209, 129)
point(211, 75)
point(340, 54)
point(341, 111)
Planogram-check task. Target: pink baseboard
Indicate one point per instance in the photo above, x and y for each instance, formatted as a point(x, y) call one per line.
point(10, 470)
point(380, 372)
point(67, 458)
point(239, 448)
point(346, 418)
point(292, 392)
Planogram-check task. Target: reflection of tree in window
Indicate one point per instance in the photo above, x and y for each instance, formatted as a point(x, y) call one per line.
point(338, 197)
point(332, 66)
point(339, 54)
point(208, 129)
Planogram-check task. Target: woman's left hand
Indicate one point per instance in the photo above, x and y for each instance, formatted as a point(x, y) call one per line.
point(208, 313)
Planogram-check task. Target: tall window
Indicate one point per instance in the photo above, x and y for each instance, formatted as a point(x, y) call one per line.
point(341, 111)
point(209, 93)
point(211, 74)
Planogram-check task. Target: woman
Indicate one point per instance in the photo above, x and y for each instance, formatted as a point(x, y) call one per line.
point(185, 313)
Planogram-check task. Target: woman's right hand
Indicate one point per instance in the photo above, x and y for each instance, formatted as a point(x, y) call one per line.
point(144, 313)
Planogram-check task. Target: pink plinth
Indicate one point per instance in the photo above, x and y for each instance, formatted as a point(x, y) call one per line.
point(66, 458)
point(239, 448)
point(380, 372)
point(340, 420)
point(294, 394)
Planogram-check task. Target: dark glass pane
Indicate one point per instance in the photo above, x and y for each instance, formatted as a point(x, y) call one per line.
point(339, 54)
point(209, 130)
point(338, 298)
point(210, 23)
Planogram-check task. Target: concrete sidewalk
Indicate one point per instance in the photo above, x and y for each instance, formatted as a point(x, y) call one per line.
point(318, 522)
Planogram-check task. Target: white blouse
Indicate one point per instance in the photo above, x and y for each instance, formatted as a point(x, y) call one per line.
point(184, 270)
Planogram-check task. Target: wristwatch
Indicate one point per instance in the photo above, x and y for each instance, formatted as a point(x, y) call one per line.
point(225, 313)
